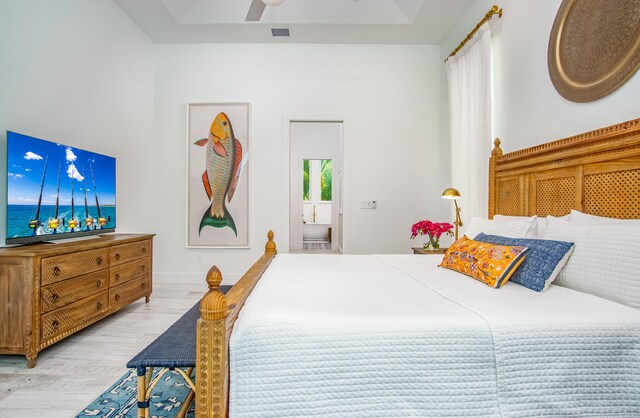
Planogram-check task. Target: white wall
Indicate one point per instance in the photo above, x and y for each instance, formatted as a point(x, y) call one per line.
point(528, 110)
point(390, 95)
point(81, 73)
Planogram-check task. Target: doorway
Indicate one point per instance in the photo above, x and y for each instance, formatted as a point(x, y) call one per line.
point(315, 187)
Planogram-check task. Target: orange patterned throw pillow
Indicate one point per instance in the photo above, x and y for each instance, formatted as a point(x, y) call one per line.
point(491, 264)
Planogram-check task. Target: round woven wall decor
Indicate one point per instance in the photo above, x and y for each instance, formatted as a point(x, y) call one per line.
point(594, 47)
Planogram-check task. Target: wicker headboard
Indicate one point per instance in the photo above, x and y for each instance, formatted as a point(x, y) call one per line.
point(596, 172)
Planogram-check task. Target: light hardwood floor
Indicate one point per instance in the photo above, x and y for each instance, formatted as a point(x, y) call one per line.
point(73, 372)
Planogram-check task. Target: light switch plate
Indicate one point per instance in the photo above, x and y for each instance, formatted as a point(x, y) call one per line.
point(368, 204)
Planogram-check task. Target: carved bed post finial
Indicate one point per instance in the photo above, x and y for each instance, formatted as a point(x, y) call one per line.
point(213, 305)
point(270, 246)
point(497, 151)
point(212, 351)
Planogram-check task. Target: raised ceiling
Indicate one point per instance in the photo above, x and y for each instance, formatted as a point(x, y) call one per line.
point(310, 21)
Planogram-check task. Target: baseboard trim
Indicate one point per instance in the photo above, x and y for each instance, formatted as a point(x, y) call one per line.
point(193, 278)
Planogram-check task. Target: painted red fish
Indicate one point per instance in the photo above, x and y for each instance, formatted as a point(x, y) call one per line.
point(223, 169)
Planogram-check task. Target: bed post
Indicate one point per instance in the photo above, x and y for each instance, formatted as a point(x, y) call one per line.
point(218, 313)
point(270, 246)
point(495, 153)
point(211, 351)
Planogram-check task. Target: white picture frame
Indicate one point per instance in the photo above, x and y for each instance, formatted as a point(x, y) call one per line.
point(214, 221)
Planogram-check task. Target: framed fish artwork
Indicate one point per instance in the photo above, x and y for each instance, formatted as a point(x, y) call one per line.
point(217, 175)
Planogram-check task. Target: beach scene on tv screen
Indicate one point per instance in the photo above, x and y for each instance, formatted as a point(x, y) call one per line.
point(53, 188)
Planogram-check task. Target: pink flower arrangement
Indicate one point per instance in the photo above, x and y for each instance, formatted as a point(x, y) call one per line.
point(433, 229)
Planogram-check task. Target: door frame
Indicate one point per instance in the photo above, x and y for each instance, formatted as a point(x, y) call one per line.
point(343, 189)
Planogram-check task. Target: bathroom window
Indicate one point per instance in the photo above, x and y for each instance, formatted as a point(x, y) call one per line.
point(305, 180)
point(317, 180)
point(326, 169)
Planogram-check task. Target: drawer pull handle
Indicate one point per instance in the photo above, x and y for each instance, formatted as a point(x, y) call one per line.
point(143, 267)
point(143, 285)
point(117, 297)
point(99, 260)
point(117, 256)
point(56, 271)
point(99, 284)
point(55, 324)
point(144, 250)
point(99, 305)
point(117, 276)
point(54, 298)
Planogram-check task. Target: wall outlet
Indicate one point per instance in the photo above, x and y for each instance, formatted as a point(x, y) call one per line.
point(368, 204)
point(198, 258)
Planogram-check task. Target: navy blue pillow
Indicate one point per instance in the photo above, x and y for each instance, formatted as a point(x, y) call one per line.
point(542, 263)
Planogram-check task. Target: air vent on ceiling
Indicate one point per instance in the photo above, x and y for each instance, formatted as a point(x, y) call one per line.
point(280, 33)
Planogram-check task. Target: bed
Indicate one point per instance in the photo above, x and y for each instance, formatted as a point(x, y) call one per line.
point(393, 335)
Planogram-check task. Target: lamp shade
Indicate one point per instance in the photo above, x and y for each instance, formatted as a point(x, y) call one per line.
point(451, 194)
point(273, 2)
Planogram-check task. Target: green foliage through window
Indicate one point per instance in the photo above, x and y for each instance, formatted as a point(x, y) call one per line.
point(305, 181)
point(326, 169)
point(317, 173)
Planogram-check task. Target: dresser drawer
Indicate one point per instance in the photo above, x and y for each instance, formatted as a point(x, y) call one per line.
point(62, 293)
point(55, 269)
point(124, 272)
point(127, 252)
point(71, 316)
point(122, 295)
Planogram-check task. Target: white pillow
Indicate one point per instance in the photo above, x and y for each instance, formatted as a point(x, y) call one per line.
point(533, 232)
point(512, 218)
point(604, 261)
point(543, 222)
point(512, 229)
point(539, 227)
point(585, 218)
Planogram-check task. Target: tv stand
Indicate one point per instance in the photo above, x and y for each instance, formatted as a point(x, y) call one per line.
point(48, 292)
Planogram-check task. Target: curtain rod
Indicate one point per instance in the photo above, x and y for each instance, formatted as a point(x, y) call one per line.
point(494, 10)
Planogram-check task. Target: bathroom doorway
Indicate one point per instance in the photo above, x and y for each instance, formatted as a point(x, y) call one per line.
point(315, 187)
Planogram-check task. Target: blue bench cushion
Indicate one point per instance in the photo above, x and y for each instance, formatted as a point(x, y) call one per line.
point(176, 347)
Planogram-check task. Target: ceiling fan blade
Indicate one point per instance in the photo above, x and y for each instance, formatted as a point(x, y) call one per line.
point(255, 11)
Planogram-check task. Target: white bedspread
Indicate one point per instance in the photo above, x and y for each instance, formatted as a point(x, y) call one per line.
point(395, 336)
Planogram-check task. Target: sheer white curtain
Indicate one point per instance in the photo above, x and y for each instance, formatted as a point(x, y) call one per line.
point(469, 76)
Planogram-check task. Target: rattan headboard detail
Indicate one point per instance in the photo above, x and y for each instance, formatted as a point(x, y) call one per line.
point(596, 172)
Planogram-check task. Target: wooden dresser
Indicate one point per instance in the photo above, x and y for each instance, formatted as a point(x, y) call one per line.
point(50, 291)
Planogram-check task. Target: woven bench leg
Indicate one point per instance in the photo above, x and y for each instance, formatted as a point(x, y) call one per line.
point(184, 409)
point(143, 403)
point(146, 385)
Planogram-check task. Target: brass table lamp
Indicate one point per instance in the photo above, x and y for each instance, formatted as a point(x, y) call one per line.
point(454, 194)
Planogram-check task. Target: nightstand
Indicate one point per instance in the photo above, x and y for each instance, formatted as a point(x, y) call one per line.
point(419, 250)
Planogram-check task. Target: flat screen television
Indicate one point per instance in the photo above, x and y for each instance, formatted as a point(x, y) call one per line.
point(55, 191)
